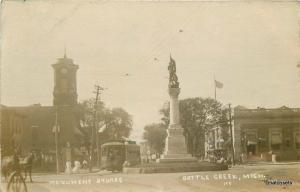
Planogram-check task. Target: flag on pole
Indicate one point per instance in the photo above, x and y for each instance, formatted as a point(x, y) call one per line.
point(102, 128)
point(218, 84)
point(56, 128)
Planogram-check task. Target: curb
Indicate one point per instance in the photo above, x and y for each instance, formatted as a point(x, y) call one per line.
point(266, 163)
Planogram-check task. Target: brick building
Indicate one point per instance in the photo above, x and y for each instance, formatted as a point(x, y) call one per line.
point(32, 127)
point(260, 132)
point(12, 129)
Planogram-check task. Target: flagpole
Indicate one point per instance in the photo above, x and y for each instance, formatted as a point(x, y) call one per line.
point(215, 92)
point(215, 88)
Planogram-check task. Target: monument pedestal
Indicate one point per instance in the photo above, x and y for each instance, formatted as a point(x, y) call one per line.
point(175, 147)
point(176, 150)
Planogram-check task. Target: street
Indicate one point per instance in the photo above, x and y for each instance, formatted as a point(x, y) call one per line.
point(240, 178)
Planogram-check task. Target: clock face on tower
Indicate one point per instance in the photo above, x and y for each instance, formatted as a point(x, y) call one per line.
point(64, 70)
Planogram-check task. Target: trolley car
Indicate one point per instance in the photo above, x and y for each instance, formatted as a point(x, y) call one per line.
point(116, 154)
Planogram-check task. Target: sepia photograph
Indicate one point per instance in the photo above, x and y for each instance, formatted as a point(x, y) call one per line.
point(150, 95)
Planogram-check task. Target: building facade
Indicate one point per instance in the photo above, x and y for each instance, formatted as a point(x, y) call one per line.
point(259, 133)
point(13, 124)
point(65, 83)
point(33, 127)
point(65, 101)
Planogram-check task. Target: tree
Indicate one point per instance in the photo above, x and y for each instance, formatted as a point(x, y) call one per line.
point(117, 122)
point(198, 116)
point(155, 134)
point(165, 112)
point(88, 120)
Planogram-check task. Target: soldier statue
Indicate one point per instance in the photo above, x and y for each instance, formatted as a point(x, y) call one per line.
point(173, 79)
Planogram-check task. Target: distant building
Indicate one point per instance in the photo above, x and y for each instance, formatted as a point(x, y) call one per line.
point(32, 127)
point(12, 129)
point(260, 132)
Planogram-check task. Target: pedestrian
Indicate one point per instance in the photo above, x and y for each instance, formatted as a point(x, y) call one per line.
point(28, 162)
point(148, 156)
point(153, 157)
point(242, 158)
point(84, 164)
point(77, 167)
point(68, 169)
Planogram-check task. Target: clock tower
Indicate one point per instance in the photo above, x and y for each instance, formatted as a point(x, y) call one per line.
point(65, 88)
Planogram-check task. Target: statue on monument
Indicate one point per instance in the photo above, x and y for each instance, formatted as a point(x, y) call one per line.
point(175, 157)
point(173, 79)
point(175, 146)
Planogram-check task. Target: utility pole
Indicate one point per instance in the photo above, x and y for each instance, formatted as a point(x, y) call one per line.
point(94, 128)
point(231, 136)
point(298, 66)
point(56, 139)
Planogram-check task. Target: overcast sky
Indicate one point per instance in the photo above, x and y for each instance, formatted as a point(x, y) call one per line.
point(251, 47)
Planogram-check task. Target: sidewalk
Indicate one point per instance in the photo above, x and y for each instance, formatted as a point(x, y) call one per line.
point(252, 163)
point(81, 171)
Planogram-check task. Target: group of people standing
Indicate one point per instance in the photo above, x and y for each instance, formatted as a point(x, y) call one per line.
point(151, 157)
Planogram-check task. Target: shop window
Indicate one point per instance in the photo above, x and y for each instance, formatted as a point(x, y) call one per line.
point(263, 134)
point(276, 141)
point(275, 146)
point(262, 145)
point(287, 143)
point(297, 140)
point(287, 133)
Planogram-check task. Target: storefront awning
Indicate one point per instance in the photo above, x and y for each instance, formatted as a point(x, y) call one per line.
point(297, 138)
point(251, 142)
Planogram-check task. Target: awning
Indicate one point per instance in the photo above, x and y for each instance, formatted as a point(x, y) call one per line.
point(297, 138)
point(251, 142)
point(276, 139)
point(251, 139)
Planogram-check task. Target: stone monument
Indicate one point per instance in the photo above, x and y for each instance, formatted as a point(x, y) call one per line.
point(175, 157)
point(175, 147)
